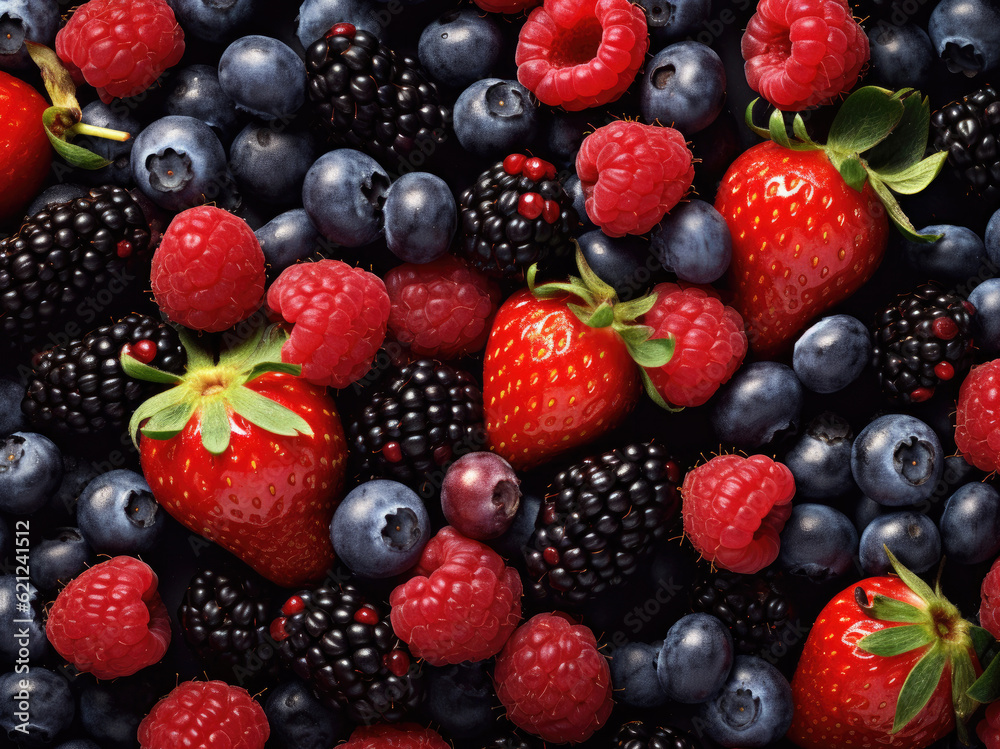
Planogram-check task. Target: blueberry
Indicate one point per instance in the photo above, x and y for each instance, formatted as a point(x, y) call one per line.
point(762, 401)
point(693, 241)
point(31, 468)
point(119, 172)
point(574, 188)
point(695, 659)
point(669, 20)
point(49, 706)
point(270, 165)
point(380, 529)
point(754, 707)
point(20, 20)
point(289, 238)
point(493, 117)
point(820, 460)
point(298, 720)
point(684, 86)
point(958, 255)
point(622, 262)
point(60, 192)
point(460, 47)
point(117, 514)
point(461, 699)
point(966, 35)
point(195, 91)
point(912, 537)
point(866, 510)
point(12, 418)
point(970, 524)
point(512, 543)
point(420, 217)
point(316, 17)
point(263, 76)
point(897, 460)
point(634, 677)
point(986, 322)
point(77, 473)
point(832, 353)
point(110, 711)
point(343, 194)
point(213, 20)
point(12, 602)
point(902, 56)
point(991, 240)
point(818, 541)
point(59, 558)
point(178, 162)
point(564, 135)
point(78, 744)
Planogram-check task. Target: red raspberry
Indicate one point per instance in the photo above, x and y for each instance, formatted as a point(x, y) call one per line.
point(803, 53)
point(110, 620)
point(710, 342)
point(120, 47)
point(339, 317)
point(988, 729)
point(553, 681)
point(506, 6)
point(208, 272)
point(398, 736)
point(977, 421)
point(989, 608)
point(462, 604)
point(579, 54)
point(205, 714)
point(632, 174)
point(443, 309)
point(735, 507)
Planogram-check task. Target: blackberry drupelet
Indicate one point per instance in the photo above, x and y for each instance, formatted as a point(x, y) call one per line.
point(80, 388)
point(600, 519)
point(640, 735)
point(67, 255)
point(922, 340)
point(372, 99)
point(416, 422)
point(346, 649)
point(516, 214)
point(969, 130)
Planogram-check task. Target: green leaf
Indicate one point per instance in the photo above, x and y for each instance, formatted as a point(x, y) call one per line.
point(529, 277)
point(139, 371)
point(197, 357)
point(601, 317)
point(853, 172)
point(987, 687)
point(632, 334)
point(963, 674)
point(864, 119)
point(912, 581)
point(591, 280)
point(58, 82)
point(629, 311)
point(887, 609)
point(919, 685)
point(896, 214)
point(908, 141)
point(215, 426)
point(654, 395)
point(982, 640)
point(272, 366)
point(748, 119)
point(896, 640)
point(170, 421)
point(799, 128)
point(57, 120)
point(915, 178)
point(652, 353)
point(777, 129)
point(267, 414)
point(148, 408)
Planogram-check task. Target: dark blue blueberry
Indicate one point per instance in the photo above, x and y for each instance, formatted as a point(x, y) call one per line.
point(986, 322)
point(270, 164)
point(512, 543)
point(970, 524)
point(754, 707)
point(461, 699)
point(298, 720)
point(684, 86)
point(912, 537)
point(832, 354)
point(12, 419)
point(316, 17)
point(31, 20)
point(818, 541)
point(343, 194)
point(59, 558)
point(110, 711)
point(19, 599)
point(958, 255)
point(693, 241)
point(902, 56)
point(695, 659)
point(622, 262)
point(574, 188)
point(380, 529)
point(178, 162)
point(117, 514)
point(119, 117)
point(213, 20)
point(761, 402)
point(991, 239)
point(288, 238)
point(78, 744)
point(194, 91)
point(31, 468)
point(821, 459)
point(494, 117)
point(897, 460)
point(77, 473)
point(866, 510)
point(263, 76)
point(420, 217)
point(39, 698)
point(60, 192)
point(670, 20)
point(634, 677)
point(565, 132)
point(460, 47)
point(966, 35)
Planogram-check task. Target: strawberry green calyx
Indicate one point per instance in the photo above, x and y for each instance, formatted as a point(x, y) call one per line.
point(211, 390)
point(877, 137)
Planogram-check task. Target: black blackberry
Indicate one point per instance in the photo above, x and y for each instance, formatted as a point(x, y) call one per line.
point(372, 99)
point(516, 214)
point(969, 130)
point(756, 608)
point(641, 735)
point(67, 258)
point(600, 518)
point(922, 340)
point(80, 388)
point(415, 422)
point(346, 649)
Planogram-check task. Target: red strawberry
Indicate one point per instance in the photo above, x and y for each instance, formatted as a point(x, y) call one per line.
point(25, 153)
point(247, 454)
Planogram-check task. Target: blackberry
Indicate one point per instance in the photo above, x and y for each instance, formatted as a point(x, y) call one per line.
point(600, 519)
point(416, 422)
point(921, 341)
point(969, 130)
point(68, 257)
point(516, 214)
point(346, 650)
point(640, 735)
point(80, 388)
point(372, 99)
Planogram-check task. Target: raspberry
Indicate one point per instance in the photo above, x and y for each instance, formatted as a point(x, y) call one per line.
point(988, 729)
point(977, 421)
point(120, 47)
point(398, 736)
point(632, 174)
point(553, 681)
point(443, 309)
point(989, 609)
point(110, 620)
point(208, 272)
point(803, 53)
point(710, 342)
point(579, 54)
point(462, 604)
point(339, 317)
point(735, 507)
point(206, 714)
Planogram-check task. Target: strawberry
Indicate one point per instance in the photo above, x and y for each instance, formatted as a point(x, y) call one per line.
point(25, 153)
point(246, 453)
point(559, 373)
point(809, 220)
